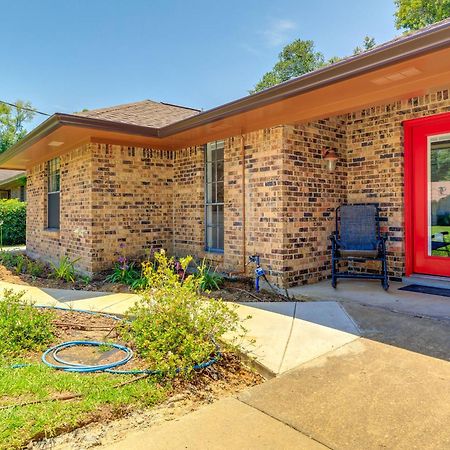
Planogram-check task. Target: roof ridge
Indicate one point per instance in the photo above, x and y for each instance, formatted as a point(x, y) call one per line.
point(179, 106)
point(132, 104)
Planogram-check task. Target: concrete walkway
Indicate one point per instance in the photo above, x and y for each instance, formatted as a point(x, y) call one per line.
point(107, 302)
point(291, 333)
point(280, 335)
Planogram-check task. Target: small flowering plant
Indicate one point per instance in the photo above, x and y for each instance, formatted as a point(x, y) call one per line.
point(124, 271)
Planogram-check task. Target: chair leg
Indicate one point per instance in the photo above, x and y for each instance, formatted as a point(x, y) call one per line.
point(333, 273)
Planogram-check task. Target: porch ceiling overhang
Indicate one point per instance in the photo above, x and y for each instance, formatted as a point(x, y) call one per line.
point(409, 66)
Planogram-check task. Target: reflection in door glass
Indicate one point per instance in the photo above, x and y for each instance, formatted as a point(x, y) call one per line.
point(439, 230)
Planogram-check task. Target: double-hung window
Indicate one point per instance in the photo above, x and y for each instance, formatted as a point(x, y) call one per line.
point(53, 205)
point(214, 195)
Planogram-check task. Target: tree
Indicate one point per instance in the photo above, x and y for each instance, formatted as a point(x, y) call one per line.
point(368, 43)
point(415, 14)
point(295, 59)
point(300, 57)
point(12, 121)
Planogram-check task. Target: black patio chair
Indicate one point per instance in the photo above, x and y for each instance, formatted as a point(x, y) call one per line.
point(358, 239)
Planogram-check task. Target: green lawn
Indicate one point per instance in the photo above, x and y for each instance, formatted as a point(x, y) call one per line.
point(19, 425)
point(440, 229)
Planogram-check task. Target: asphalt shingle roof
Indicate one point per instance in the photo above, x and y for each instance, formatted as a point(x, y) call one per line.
point(146, 113)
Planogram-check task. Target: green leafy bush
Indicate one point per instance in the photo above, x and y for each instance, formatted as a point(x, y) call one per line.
point(209, 279)
point(173, 325)
point(13, 217)
point(23, 327)
point(65, 269)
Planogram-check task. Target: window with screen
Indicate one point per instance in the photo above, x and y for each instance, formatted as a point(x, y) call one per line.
point(214, 196)
point(53, 203)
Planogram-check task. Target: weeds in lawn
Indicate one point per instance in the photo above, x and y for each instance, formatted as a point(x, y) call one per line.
point(173, 325)
point(22, 326)
point(65, 269)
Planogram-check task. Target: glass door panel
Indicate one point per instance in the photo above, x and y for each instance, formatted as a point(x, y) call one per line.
point(439, 197)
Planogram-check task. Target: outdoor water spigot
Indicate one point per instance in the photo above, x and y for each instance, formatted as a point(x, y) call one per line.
point(254, 259)
point(259, 271)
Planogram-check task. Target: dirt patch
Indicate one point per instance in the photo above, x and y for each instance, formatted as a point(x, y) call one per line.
point(233, 291)
point(244, 291)
point(46, 281)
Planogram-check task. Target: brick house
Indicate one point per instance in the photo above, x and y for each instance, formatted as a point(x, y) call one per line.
point(13, 184)
point(249, 176)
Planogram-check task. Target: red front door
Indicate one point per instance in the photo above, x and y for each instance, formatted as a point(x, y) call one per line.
point(427, 195)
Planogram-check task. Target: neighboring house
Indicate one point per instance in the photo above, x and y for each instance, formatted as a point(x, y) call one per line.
point(249, 176)
point(13, 184)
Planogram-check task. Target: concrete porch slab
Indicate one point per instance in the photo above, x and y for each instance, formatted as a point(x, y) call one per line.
point(369, 292)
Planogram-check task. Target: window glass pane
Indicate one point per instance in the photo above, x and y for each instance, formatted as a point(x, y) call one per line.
point(219, 170)
point(214, 194)
point(439, 197)
point(210, 219)
point(53, 210)
point(211, 236)
point(220, 153)
point(220, 192)
point(208, 193)
point(209, 170)
point(53, 175)
point(220, 233)
point(219, 215)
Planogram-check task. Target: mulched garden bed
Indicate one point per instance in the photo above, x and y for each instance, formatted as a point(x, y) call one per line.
point(233, 291)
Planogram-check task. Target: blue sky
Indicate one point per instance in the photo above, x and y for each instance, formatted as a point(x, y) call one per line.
point(64, 56)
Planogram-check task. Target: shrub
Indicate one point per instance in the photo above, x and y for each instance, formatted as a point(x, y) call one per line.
point(13, 214)
point(209, 280)
point(23, 327)
point(173, 325)
point(65, 269)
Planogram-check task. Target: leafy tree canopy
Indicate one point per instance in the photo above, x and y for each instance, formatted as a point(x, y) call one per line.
point(12, 121)
point(300, 57)
point(295, 59)
point(415, 14)
point(368, 43)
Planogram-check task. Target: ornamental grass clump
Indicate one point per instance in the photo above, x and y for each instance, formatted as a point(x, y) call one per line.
point(173, 326)
point(22, 326)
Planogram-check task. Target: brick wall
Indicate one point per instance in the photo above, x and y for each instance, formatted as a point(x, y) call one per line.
point(310, 197)
point(74, 238)
point(114, 197)
point(132, 201)
point(374, 142)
